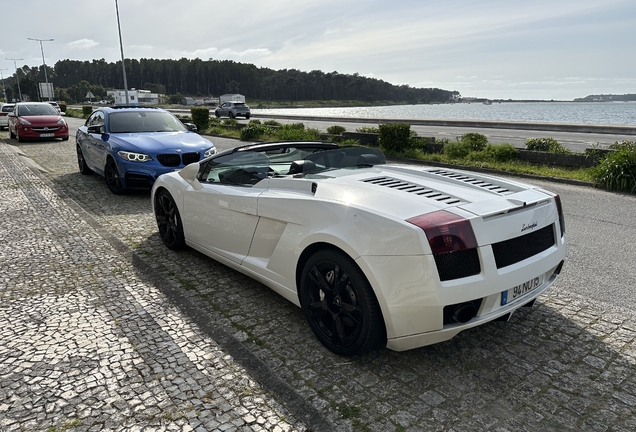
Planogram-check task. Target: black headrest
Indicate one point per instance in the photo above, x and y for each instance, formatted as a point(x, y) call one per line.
point(301, 166)
point(368, 159)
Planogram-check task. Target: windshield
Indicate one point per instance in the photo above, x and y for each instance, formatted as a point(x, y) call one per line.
point(251, 166)
point(144, 121)
point(36, 110)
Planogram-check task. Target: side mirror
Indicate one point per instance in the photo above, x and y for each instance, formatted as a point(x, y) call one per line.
point(191, 127)
point(96, 129)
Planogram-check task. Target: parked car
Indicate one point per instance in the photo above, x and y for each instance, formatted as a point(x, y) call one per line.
point(374, 254)
point(5, 109)
point(57, 107)
point(36, 120)
point(233, 109)
point(131, 147)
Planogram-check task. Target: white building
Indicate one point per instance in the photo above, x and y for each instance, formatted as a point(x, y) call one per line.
point(136, 97)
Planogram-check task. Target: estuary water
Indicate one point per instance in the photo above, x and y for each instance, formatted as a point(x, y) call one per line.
point(622, 113)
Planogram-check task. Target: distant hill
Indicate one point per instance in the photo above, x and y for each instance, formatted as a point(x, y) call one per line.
point(607, 98)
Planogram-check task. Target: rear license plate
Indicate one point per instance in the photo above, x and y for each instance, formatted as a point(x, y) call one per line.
point(519, 291)
point(46, 135)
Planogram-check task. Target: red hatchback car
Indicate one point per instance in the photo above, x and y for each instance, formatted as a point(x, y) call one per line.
point(36, 120)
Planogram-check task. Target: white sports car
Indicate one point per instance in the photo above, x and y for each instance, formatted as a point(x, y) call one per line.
point(375, 254)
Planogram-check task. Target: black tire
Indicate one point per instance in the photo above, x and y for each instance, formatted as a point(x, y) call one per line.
point(81, 162)
point(230, 114)
point(169, 221)
point(216, 113)
point(11, 134)
point(247, 116)
point(65, 138)
point(113, 180)
point(339, 304)
point(17, 134)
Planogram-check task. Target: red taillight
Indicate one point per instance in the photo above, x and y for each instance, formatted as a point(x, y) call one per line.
point(446, 232)
point(557, 200)
point(3, 114)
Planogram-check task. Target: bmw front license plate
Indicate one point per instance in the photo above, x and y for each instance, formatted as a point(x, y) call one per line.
point(519, 291)
point(46, 135)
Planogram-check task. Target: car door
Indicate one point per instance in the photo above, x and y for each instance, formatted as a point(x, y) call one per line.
point(221, 215)
point(91, 143)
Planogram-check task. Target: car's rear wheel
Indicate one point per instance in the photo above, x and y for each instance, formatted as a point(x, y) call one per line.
point(169, 221)
point(247, 116)
point(113, 180)
point(230, 114)
point(339, 304)
point(81, 162)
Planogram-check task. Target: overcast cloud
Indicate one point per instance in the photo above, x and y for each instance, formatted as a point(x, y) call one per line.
point(538, 49)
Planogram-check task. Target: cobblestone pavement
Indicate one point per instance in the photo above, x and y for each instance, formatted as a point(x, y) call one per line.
point(86, 344)
point(568, 363)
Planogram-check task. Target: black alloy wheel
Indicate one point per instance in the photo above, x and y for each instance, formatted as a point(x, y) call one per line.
point(113, 180)
point(81, 163)
point(339, 304)
point(169, 221)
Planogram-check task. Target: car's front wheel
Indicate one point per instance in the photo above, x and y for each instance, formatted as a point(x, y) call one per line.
point(169, 221)
point(81, 162)
point(17, 133)
point(216, 113)
point(113, 180)
point(11, 134)
point(339, 304)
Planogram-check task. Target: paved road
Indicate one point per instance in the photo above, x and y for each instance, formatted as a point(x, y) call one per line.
point(569, 363)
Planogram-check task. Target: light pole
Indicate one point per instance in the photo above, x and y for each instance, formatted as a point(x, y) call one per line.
point(17, 77)
point(4, 88)
point(121, 47)
point(46, 78)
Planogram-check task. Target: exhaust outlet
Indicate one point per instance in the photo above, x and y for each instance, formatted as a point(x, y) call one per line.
point(464, 313)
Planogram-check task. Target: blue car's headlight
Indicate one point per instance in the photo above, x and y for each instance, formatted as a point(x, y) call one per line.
point(209, 152)
point(134, 157)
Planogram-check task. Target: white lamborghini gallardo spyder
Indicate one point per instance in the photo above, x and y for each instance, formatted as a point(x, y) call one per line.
point(375, 254)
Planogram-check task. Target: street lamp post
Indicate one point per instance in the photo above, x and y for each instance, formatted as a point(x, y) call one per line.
point(4, 88)
point(121, 47)
point(46, 78)
point(17, 77)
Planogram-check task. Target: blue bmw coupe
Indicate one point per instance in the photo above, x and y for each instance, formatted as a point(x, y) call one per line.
point(132, 146)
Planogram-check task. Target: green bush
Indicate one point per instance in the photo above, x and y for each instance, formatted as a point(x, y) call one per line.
point(368, 129)
point(629, 145)
point(200, 117)
point(336, 130)
point(617, 170)
point(251, 132)
point(86, 111)
point(255, 121)
point(349, 143)
point(546, 145)
point(272, 123)
point(291, 132)
point(476, 141)
point(457, 150)
point(230, 122)
point(501, 152)
point(395, 137)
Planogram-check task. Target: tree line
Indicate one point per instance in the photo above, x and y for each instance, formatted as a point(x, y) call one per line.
point(72, 80)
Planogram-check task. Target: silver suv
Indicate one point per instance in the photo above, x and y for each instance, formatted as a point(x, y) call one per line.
point(233, 109)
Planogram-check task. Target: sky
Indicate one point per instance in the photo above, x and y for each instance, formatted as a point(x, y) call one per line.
point(497, 49)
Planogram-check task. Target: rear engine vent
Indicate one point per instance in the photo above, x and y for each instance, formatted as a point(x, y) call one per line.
point(414, 189)
point(517, 249)
point(471, 180)
point(457, 264)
